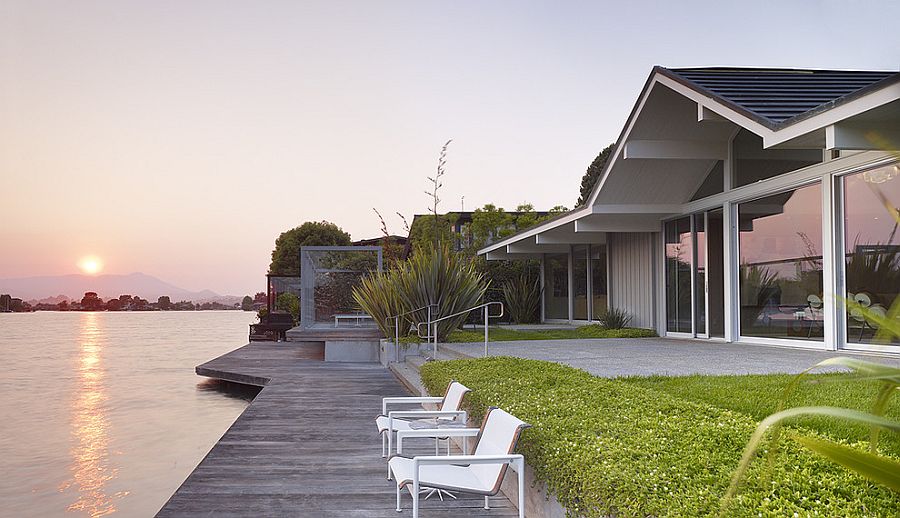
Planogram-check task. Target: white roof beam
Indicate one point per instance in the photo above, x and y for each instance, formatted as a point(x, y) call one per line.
point(634, 209)
point(704, 114)
point(503, 256)
point(524, 247)
point(572, 238)
point(676, 149)
point(631, 226)
point(874, 136)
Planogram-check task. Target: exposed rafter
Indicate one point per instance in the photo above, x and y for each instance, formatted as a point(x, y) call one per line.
point(872, 136)
point(676, 149)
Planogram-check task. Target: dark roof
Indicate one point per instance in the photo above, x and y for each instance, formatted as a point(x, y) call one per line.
point(778, 97)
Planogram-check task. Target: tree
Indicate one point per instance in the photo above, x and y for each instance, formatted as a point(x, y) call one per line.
point(289, 302)
point(593, 174)
point(286, 255)
point(247, 303)
point(91, 302)
point(164, 303)
point(422, 232)
point(260, 297)
point(490, 223)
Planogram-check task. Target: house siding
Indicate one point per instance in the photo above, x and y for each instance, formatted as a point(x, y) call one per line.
point(632, 275)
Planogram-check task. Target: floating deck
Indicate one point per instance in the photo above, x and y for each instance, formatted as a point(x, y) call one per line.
point(306, 445)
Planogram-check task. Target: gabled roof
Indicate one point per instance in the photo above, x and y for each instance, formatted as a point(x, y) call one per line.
point(776, 97)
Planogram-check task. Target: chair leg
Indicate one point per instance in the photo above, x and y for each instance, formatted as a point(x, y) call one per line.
point(383, 445)
point(398, 499)
point(521, 474)
point(415, 496)
point(487, 504)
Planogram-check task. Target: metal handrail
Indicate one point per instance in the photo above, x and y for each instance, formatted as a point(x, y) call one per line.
point(396, 319)
point(487, 316)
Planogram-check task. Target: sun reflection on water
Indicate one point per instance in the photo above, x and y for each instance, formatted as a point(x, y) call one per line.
point(91, 468)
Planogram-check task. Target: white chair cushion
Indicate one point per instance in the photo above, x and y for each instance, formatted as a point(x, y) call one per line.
point(399, 424)
point(444, 476)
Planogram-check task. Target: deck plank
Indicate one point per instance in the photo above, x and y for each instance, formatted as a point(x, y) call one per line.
point(306, 445)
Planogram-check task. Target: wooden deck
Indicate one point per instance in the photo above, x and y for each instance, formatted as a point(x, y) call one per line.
point(306, 445)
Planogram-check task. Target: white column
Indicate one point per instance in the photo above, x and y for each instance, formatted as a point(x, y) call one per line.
point(571, 281)
point(730, 272)
point(830, 251)
point(590, 284)
point(543, 288)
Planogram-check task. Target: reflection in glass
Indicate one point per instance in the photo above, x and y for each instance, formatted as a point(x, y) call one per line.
point(678, 275)
point(715, 274)
point(781, 265)
point(871, 246)
point(579, 282)
point(700, 281)
point(91, 467)
point(598, 279)
point(556, 286)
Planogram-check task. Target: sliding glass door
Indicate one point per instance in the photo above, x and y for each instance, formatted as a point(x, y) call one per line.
point(694, 275)
point(871, 209)
point(679, 262)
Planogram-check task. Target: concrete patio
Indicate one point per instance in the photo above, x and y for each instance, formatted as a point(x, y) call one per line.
point(614, 357)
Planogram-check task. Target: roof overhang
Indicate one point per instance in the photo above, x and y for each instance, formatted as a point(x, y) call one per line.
point(689, 132)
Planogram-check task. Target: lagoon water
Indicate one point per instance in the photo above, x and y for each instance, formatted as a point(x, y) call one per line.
point(103, 414)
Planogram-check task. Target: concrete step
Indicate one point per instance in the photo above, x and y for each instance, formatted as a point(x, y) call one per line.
point(408, 375)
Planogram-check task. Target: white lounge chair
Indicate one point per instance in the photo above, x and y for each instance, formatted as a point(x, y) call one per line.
point(396, 420)
point(480, 473)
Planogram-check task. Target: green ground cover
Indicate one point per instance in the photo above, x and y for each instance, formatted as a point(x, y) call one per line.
point(620, 448)
point(501, 334)
point(758, 396)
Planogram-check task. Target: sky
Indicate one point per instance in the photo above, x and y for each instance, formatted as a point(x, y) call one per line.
point(179, 139)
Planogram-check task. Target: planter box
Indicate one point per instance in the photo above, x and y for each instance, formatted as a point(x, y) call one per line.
point(364, 351)
point(388, 352)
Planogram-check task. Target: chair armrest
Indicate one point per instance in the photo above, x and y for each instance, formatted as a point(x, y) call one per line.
point(407, 400)
point(434, 432)
point(427, 413)
point(422, 460)
point(517, 460)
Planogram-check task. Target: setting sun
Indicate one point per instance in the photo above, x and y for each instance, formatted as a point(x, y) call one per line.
point(90, 265)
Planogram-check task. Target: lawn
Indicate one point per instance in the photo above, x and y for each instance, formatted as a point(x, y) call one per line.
point(758, 395)
point(665, 447)
point(501, 334)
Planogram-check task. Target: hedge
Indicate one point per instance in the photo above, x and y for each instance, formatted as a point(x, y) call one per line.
point(500, 334)
point(609, 448)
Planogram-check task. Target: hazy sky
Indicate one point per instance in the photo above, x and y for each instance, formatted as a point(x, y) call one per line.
point(179, 138)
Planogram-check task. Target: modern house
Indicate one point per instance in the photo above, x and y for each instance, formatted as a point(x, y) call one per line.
point(738, 205)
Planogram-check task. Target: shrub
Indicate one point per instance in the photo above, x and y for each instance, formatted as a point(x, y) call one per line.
point(607, 448)
point(378, 295)
point(443, 278)
point(289, 302)
point(439, 277)
point(499, 334)
point(614, 319)
point(522, 295)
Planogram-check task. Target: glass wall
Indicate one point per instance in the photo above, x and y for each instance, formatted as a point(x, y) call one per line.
point(700, 280)
point(679, 251)
point(871, 247)
point(598, 280)
point(715, 272)
point(781, 265)
point(580, 282)
point(556, 286)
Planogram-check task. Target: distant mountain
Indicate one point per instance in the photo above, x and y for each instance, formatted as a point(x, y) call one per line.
point(106, 286)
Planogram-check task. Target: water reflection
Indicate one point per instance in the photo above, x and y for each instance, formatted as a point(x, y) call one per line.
point(229, 389)
point(90, 467)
